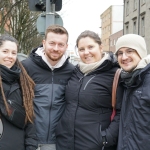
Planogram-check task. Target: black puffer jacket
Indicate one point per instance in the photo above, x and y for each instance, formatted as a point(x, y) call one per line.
point(134, 129)
point(12, 137)
point(88, 110)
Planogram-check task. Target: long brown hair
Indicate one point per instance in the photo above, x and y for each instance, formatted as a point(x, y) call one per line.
point(27, 85)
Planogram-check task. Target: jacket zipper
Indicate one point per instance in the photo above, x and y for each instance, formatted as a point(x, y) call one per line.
point(50, 108)
point(88, 82)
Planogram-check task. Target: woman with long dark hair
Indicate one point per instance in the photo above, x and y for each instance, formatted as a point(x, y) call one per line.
point(17, 131)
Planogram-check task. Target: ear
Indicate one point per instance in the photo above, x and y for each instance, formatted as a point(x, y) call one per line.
point(43, 44)
point(101, 48)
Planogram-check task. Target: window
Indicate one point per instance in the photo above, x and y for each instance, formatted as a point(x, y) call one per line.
point(143, 2)
point(103, 31)
point(127, 29)
point(143, 25)
point(135, 5)
point(134, 26)
point(127, 8)
point(114, 42)
point(104, 42)
point(111, 43)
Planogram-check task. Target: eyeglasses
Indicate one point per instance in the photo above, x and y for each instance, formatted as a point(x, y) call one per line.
point(127, 52)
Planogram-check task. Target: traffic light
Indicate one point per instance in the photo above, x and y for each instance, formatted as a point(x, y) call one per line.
point(40, 5)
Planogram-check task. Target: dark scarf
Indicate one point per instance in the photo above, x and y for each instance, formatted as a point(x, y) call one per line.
point(10, 75)
point(130, 78)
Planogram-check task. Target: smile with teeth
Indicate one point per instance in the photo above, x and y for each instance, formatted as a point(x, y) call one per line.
point(8, 61)
point(126, 62)
point(88, 57)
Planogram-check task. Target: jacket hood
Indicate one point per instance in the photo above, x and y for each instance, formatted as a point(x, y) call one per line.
point(108, 63)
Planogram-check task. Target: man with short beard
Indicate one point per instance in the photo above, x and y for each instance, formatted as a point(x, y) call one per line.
point(134, 128)
point(49, 67)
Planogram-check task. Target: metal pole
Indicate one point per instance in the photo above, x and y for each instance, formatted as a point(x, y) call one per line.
point(50, 14)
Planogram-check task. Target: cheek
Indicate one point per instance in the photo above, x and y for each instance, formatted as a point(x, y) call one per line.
point(63, 50)
point(82, 58)
point(138, 60)
point(98, 56)
point(119, 61)
point(80, 55)
point(15, 58)
point(46, 46)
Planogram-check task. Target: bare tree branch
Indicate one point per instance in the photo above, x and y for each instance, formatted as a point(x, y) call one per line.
point(17, 20)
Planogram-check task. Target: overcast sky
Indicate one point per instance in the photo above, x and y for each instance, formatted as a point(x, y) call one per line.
point(80, 15)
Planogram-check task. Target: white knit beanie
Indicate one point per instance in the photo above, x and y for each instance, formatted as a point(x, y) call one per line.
point(133, 41)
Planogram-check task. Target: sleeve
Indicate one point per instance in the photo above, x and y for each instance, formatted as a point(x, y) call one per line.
point(111, 133)
point(31, 142)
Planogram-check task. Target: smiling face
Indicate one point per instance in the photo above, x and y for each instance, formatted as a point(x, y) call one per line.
point(89, 50)
point(8, 53)
point(55, 45)
point(128, 59)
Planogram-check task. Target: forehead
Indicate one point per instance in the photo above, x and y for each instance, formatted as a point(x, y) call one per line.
point(57, 37)
point(9, 45)
point(86, 40)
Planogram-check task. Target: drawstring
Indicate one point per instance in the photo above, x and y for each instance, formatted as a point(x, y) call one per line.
point(103, 147)
point(104, 142)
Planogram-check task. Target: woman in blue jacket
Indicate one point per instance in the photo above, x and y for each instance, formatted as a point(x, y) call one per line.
point(17, 131)
point(86, 123)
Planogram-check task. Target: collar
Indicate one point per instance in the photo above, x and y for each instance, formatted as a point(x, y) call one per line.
point(40, 52)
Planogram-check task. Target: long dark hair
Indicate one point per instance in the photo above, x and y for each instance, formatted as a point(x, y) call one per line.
point(27, 84)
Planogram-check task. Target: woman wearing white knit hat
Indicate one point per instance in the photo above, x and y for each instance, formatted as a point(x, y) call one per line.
point(134, 129)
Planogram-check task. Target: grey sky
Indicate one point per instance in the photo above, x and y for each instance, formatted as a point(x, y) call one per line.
point(80, 15)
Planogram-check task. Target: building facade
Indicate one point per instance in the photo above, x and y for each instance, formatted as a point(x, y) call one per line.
point(113, 39)
point(137, 19)
point(111, 22)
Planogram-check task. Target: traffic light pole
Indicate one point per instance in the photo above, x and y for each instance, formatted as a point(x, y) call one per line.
point(50, 13)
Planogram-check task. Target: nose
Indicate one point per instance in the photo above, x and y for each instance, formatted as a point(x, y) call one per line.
point(124, 56)
point(56, 47)
point(86, 51)
point(10, 55)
